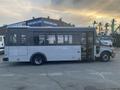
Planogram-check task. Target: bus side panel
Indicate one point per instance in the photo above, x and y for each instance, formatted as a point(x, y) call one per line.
point(6, 54)
point(57, 53)
point(17, 53)
point(52, 53)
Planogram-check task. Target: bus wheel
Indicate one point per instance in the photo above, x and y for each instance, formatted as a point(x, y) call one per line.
point(37, 60)
point(105, 56)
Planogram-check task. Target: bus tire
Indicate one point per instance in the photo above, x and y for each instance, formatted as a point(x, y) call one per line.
point(37, 59)
point(105, 56)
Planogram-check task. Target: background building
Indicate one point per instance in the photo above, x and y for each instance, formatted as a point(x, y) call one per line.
point(42, 22)
point(38, 22)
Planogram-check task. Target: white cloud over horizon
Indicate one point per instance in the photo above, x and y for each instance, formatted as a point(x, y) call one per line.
point(78, 12)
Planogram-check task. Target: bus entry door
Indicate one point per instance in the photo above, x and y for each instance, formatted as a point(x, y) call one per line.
point(87, 46)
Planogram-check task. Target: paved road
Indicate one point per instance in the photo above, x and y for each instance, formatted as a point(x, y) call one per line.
point(61, 76)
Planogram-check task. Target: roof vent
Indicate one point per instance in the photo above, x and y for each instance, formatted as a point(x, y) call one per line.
point(48, 17)
point(33, 17)
point(60, 19)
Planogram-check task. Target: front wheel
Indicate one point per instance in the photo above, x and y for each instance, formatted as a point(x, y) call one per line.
point(37, 60)
point(105, 57)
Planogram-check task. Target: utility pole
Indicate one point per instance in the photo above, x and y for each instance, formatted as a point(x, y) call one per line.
point(113, 26)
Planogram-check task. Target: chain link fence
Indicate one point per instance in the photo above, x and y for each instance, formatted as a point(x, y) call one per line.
point(116, 40)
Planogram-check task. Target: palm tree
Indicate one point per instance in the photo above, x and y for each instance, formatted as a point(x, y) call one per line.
point(94, 23)
point(117, 29)
point(106, 27)
point(100, 27)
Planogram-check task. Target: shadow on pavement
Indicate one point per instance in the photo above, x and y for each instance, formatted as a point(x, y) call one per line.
point(20, 64)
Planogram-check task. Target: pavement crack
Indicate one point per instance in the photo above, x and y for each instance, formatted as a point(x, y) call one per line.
point(57, 82)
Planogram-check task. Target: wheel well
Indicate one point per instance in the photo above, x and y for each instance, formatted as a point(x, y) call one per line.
point(106, 52)
point(38, 54)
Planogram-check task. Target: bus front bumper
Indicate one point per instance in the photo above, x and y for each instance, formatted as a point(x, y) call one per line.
point(5, 59)
point(113, 54)
point(1, 51)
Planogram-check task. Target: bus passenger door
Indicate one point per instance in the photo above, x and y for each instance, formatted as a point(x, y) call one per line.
point(87, 46)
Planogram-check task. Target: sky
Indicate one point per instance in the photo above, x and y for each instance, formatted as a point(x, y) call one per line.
point(78, 12)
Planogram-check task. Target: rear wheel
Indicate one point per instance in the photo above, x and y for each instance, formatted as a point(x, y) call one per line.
point(37, 60)
point(105, 57)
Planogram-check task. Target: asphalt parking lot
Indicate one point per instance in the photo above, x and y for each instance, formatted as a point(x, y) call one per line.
point(61, 76)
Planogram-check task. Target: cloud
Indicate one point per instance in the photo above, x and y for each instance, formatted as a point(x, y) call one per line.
point(100, 10)
point(13, 10)
point(79, 12)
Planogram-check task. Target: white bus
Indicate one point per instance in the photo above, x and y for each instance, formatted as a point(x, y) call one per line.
point(41, 44)
point(1, 44)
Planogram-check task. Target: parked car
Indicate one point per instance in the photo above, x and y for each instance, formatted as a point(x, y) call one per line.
point(106, 40)
point(1, 44)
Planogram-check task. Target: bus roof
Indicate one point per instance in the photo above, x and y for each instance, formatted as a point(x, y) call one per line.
point(52, 28)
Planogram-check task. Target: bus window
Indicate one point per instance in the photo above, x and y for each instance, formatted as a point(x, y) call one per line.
point(66, 39)
point(70, 39)
point(13, 38)
point(23, 39)
point(76, 39)
point(39, 40)
point(60, 39)
point(91, 38)
point(36, 40)
point(83, 38)
point(51, 39)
